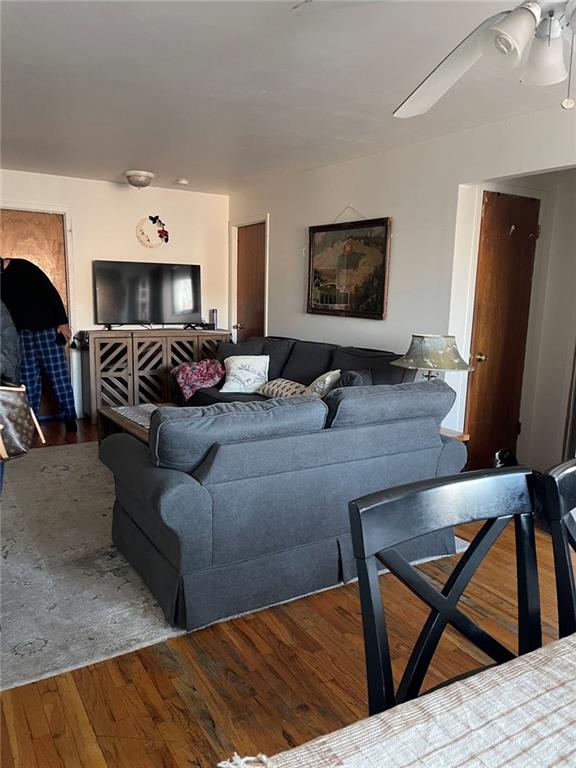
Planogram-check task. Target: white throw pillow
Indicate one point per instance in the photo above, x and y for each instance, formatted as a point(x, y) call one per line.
point(323, 384)
point(281, 388)
point(245, 373)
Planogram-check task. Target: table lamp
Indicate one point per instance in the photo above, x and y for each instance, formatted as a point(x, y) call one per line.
point(430, 353)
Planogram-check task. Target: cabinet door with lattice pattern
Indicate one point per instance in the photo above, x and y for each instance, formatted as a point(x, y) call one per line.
point(209, 345)
point(113, 369)
point(182, 349)
point(150, 369)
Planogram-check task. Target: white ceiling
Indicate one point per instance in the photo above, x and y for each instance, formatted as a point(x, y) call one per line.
point(222, 92)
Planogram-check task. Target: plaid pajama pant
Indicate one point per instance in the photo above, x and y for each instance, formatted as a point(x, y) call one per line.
point(41, 354)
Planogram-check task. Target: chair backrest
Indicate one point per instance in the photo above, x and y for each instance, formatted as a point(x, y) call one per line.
point(382, 521)
point(560, 510)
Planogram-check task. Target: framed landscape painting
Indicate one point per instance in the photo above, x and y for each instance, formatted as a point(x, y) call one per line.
point(349, 269)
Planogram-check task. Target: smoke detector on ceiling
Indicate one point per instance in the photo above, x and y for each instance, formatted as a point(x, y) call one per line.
point(139, 179)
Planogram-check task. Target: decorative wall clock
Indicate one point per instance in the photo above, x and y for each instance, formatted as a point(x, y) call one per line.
point(151, 232)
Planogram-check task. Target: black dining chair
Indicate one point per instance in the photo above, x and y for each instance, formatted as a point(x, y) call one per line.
point(559, 507)
point(382, 521)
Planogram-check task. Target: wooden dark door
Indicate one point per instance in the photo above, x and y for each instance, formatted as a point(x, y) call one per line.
point(508, 236)
point(251, 281)
point(41, 239)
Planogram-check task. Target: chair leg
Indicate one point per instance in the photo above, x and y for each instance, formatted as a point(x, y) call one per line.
point(565, 587)
point(381, 693)
point(529, 622)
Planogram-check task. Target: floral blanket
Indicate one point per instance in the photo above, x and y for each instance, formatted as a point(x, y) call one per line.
point(193, 376)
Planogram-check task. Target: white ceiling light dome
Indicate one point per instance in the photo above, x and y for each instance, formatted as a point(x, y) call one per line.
point(546, 64)
point(139, 179)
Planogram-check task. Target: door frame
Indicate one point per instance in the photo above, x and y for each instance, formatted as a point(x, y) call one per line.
point(569, 442)
point(233, 267)
point(64, 211)
point(463, 290)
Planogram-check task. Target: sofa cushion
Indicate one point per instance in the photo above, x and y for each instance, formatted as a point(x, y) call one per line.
point(278, 349)
point(228, 348)
point(351, 406)
point(308, 359)
point(180, 438)
point(279, 352)
point(379, 363)
point(213, 395)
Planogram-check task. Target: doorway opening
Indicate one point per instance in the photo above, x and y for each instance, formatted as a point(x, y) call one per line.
point(39, 237)
point(513, 313)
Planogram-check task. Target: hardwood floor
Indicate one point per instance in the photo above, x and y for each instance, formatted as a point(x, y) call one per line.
point(261, 683)
point(55, 433)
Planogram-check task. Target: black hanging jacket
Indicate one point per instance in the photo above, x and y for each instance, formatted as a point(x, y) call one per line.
point(30, 297)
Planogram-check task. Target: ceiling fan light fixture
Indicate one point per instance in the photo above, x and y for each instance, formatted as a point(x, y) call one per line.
point(505, 42)
point(546, 64)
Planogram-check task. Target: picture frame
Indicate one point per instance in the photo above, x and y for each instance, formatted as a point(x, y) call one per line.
point(349, 269)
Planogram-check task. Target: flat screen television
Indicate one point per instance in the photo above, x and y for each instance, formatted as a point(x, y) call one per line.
point(131, 292)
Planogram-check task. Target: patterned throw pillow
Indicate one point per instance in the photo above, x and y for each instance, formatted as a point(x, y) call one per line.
point(323, 384)
point(281, 388)
point(245, 373)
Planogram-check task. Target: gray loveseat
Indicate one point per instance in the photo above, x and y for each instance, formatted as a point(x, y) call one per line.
point(300, 361)
point(234, 507)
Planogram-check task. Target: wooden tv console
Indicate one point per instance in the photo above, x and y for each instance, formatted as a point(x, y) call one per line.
point(123, 367)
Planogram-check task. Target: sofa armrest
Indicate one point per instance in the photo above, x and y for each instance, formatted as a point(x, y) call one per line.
point(452, 458)
point(170, 506)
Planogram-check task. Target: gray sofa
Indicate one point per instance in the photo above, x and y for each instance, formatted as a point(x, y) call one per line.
point(234, 507)
point(301, 361)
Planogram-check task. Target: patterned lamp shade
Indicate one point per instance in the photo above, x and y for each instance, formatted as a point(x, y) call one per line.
point(433, 353)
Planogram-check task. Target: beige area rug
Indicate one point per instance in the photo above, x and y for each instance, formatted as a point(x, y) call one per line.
point(68, 598)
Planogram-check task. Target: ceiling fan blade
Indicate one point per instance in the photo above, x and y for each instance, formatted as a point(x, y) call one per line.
point(447, 73)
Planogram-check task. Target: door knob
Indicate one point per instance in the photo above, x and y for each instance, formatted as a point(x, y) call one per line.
point(480, 357)
point(238, 326)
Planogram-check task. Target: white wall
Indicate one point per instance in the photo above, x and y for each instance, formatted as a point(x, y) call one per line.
point(101, 218)
point(418, 187)
point(552, 333)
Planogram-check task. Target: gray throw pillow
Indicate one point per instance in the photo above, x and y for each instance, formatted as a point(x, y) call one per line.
point(361, 378)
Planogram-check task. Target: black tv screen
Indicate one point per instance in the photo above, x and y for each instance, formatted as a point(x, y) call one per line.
point(130, 292)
